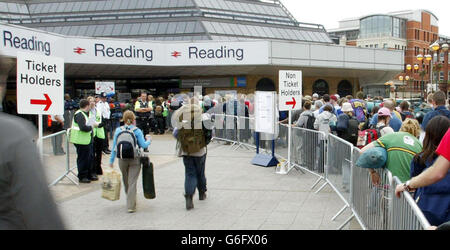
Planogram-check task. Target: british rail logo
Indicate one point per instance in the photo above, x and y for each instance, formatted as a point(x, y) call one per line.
point(79, 50)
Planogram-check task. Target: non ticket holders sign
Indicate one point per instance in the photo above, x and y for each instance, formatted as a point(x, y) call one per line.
point(290, 90)
point(40, 84)
point(289, 98)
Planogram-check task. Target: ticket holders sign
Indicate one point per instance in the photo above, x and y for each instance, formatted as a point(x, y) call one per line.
point(289, 98)
point(40, 86)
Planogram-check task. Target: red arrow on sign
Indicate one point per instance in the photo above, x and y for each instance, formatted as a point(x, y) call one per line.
point(46, 102)
point(292, 103)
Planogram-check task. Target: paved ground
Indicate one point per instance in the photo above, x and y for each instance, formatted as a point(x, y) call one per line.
point(240, 196)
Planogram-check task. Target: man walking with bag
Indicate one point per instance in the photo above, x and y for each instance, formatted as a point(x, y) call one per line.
point(192, 139)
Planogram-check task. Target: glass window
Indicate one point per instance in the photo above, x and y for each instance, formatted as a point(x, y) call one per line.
point(156, 4)
point(172, 26)
point(218, 27)
point(209, 27)
point(65, 30)
point(76, 6)
point(82, 30)
point(190, 27)
point(57, 30)
point(164, 4)
point(108, 30)
point(126, 30)
point(180, 27)
point(132, 4)
point(61, 7)
point(153, 28)
point(107, 5)
point(162, 28)
point(13, 8)
point(73, 31)
point(117, 29)
point(69, 7)
point(135, 29)
point(140, 5)
point(124, 4)
point(143, 29)
point(116, 4)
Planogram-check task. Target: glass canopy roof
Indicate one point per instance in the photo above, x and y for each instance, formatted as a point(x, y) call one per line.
point(181, 20)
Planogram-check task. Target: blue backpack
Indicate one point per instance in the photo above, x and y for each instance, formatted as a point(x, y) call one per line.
point(359, 109)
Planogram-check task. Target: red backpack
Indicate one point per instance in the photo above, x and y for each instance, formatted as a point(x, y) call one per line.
point(367, 136)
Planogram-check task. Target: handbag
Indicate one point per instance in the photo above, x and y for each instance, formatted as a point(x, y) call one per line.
point(111, 185)
point(148, 182)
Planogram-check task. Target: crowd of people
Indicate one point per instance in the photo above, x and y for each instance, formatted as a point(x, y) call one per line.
point(411, 140)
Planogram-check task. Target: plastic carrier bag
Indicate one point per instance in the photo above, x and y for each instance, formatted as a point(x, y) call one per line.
point(111, 185)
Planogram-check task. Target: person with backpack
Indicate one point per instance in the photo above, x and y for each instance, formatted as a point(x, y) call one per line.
point(347, 124)
point(306, 119)
point(404, 111)
point(374, 132)
point(325, 120)
point(347, 129)
point(126, 143)
point(192, 138)
point(395, 122)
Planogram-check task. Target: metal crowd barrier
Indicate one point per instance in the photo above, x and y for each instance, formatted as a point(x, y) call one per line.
point(333, 160)
point(406, 215)
point(308, 152)
point(57, 139)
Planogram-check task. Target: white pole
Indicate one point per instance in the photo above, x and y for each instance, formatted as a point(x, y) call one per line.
point(40, 142)
point(289, 141)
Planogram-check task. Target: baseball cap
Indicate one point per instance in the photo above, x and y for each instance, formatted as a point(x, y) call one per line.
point(373, 158)
point(333, 97)
point(384, 112)
point(347, 107)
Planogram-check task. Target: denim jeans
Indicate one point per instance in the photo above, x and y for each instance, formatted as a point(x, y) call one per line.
point(115, 123)
point(194, 174)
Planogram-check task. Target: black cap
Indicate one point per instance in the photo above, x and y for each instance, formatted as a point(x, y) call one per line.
point(103, 95)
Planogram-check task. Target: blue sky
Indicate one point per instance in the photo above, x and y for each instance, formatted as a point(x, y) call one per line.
point(329, 12)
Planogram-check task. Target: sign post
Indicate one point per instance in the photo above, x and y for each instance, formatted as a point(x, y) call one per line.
point(290, 98)
point(265, 123)
point(40, 87)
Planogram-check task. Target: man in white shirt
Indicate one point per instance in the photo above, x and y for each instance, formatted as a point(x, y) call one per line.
point(103, 107)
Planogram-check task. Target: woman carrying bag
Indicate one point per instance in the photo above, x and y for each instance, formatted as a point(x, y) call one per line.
point(129, 162)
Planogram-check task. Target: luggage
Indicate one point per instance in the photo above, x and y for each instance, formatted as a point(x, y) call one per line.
point(111, 185)
point(148, 182)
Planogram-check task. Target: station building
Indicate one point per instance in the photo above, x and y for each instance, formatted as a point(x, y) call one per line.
point(171, 46)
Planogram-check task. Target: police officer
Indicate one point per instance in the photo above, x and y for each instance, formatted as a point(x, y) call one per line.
point(143, 111)
point(81, 137)
point(102, 106)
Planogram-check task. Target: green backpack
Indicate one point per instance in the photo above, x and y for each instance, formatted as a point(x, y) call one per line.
point(192, 140)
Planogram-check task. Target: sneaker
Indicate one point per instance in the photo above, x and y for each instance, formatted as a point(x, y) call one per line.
point(131, 210)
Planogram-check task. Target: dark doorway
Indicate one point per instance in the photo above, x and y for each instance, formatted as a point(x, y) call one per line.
point(345, 88)
point(321, 87)
point(265, 84)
